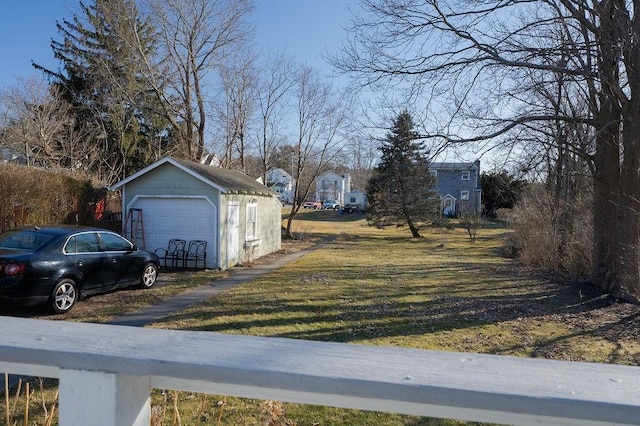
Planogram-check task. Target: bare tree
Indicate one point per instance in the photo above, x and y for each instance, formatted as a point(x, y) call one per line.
point(470, 219)
point(195, 36)
point(40, 127)
point(320, 118)
point(99, 75)
point(275, 82)
point(239, 86)
point(360, 156)
point(33, 119)
point(473, 59)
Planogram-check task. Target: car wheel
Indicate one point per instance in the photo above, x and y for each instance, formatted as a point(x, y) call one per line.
point(149, 275)
point(63, 297)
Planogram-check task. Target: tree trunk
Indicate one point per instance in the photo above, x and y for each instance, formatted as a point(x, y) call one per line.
point(288, 235)
point(605, 220)
point(628, 267)
point(606, 208)
point(628, 272)
point(415, 233)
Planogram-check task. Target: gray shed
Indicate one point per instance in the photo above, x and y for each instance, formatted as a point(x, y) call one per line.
point(239, 217)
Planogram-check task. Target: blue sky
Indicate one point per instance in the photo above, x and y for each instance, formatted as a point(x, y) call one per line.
point(303, 28)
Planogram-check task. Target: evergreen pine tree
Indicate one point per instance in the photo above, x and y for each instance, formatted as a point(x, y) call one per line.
point(500, 190)
point(401, 189)
point(101, 78)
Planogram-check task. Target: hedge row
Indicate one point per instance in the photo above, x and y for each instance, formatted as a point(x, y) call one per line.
point(38, 197)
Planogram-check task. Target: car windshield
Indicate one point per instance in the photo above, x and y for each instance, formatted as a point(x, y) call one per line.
point(23, 240)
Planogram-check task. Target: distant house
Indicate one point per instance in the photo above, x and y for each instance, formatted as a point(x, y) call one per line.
point(458, 185)
point(355, 201)
point(282, 183)
point(238, 217)
point(333, 186)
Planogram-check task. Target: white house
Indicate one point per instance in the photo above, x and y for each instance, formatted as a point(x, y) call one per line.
point(333, 186)
point(355, 201)
point(282, 183)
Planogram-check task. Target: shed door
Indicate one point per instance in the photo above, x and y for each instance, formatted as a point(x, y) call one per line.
point(184, 218)
point(233, 234)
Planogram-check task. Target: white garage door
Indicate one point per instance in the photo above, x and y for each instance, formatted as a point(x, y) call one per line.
point(183, 218)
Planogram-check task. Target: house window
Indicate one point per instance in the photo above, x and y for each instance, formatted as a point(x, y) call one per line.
point(465, 175)
point(252, 213)
point(464, 195)
point(433, 173)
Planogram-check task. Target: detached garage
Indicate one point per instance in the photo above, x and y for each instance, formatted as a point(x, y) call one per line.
point(238, 217)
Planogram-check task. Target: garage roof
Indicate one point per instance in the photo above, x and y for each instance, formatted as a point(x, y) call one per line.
point(226, 180)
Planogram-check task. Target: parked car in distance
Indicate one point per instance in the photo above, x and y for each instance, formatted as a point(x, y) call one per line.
point(334, 205)
point(353, 208)
point(56, 266)
point(312, 205)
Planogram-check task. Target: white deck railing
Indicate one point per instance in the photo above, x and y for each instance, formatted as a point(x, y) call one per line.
point(106, 373)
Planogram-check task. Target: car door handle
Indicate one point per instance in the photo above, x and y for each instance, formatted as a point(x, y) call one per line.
point(114, 260)
point(79, 263)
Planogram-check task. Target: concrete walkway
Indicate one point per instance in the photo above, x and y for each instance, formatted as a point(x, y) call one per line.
point(182, 301)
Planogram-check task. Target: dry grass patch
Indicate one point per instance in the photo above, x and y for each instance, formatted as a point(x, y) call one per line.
point(381, 287)
point(442, 292)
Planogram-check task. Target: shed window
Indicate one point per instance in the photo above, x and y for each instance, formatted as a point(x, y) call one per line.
point(465, 175)
point(252, 216)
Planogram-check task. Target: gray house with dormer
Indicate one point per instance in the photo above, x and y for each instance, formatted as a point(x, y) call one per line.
point(458, 186)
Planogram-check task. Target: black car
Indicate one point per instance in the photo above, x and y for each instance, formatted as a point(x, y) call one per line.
point(56, 266)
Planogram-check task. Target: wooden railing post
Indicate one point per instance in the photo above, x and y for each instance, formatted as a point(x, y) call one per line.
point(103, 399)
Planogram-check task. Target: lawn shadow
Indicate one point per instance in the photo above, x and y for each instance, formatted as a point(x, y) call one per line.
point(353, 311)
point(322, 215)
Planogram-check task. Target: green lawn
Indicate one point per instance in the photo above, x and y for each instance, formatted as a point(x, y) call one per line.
point(442, 292)
point(380, 287)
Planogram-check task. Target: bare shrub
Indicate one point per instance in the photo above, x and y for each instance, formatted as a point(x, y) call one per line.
point(555, 235)
point(471, 220)
point(512, 246)
point(273, 413)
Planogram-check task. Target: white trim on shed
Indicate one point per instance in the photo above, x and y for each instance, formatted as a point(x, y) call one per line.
point(176, 164)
